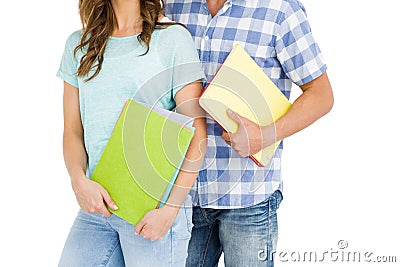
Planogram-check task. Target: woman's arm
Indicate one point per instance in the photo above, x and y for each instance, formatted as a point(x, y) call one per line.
point(90, 195)
point(187, 101)
point(156, 223)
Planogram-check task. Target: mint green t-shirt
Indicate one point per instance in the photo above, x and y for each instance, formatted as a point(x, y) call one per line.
point(171, 63)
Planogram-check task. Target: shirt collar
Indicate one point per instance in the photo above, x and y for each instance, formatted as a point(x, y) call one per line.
point(227, 1)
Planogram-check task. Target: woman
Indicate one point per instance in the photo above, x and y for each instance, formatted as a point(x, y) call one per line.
point(126, 50)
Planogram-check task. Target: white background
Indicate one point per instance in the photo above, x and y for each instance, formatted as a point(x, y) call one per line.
point(341, 174)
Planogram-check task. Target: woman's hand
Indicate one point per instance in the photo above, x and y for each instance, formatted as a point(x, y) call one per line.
point(92, 197)
point(156, 223)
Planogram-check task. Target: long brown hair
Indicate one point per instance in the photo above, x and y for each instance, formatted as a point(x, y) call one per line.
point(98, 22)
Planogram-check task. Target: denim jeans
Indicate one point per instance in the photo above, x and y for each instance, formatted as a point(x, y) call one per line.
point(95, 241)
point(247, 236)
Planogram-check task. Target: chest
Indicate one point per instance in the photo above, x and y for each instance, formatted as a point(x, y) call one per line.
point(214, 6)
point(128, 76)
point(216, 26)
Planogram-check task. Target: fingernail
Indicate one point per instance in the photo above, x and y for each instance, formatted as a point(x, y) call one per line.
point(136, 233)
point(115, 207)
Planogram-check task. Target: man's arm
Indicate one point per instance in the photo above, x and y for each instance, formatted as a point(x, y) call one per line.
point(315, 101)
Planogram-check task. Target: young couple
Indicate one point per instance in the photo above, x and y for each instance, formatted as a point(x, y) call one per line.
point(124, 46)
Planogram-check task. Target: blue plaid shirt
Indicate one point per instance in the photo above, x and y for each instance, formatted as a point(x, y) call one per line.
point(278, 37)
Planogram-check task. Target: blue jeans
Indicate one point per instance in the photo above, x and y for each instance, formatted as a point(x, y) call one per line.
point(247, 236)
point(95, 240)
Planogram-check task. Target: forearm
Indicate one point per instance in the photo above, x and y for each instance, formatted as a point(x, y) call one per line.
point(190, 166)
point(75, 156)
point(315, 101)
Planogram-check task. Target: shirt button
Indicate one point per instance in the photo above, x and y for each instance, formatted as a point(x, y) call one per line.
point(206, 38)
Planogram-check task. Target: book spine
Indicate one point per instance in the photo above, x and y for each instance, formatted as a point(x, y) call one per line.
point(256, 161)
point(251, 156)
point(168, 190)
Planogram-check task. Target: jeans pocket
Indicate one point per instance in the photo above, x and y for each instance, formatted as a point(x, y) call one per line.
point(189, 222)
point(278, 198)
point(182, 226)
point(188, 207)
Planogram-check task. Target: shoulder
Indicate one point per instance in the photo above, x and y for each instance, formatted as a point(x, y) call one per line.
point(278, 5)
point(175, 45)
point(174, 29)
point(74, 39)
point(293, 6)
point(175, 35)
point(172, 2)
point(291, 12)
point(276, 10)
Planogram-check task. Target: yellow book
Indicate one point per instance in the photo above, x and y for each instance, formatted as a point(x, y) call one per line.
point(242, 86)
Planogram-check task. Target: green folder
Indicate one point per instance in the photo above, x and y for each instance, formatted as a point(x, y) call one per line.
point(142, 158)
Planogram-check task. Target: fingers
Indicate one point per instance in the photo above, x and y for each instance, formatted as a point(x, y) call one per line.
point(92, 197)
point(152, 226)
point(97, 206)
point(143, 229)
point(243, 154)
point(107, 199)
point(151, 233)
point(226, 136)
point(140, 225)
point(234, 116)
point(103, 210)
point(147, 233)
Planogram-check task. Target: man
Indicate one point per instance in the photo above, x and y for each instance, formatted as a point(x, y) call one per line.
point(235, 200)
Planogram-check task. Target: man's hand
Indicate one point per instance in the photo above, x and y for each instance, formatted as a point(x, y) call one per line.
point(250, 138)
